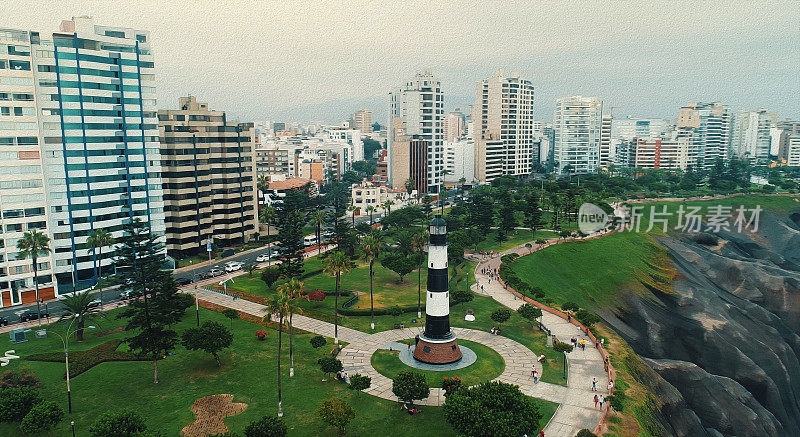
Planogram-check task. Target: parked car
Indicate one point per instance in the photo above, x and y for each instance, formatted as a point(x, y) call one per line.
point(264, 257)
point(233, 266)
point(183, 281)
point(96, 302)
point(3, 321)
point(125, 295)
point(29, 315)
point(216, 271)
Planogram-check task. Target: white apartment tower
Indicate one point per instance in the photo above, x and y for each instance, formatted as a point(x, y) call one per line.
point(577, 124)
point(503, 127)
point(95, 109)
point(708, 125)
point(751, 134)
point(420, 105)
point(22, 193)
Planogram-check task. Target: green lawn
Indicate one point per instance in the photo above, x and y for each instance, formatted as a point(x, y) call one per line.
point(488, 366)
point(248, 372)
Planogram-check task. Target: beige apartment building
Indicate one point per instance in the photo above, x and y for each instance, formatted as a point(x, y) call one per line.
point(363, 121)
point(208, 172)
point(408, 159)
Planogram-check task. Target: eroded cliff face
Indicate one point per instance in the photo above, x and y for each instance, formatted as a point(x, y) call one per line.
point(724, 341)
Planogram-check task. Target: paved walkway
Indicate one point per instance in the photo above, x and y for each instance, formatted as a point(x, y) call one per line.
point(356, 355)
point(576, 409)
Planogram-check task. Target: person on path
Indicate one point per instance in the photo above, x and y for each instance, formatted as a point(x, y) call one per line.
point(610, 385)
point(535, 378)
point(601, 401)
point(594, 384)
point(595, 401)
point(541, 433)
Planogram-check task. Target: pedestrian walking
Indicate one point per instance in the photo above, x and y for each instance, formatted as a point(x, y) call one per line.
point(610, 385)
point(541, 433)
point(595, 400)
point(601, 401)
point(594, 384)
point(535, 377)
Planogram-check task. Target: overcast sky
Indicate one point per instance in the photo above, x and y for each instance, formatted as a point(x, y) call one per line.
point(289, 60)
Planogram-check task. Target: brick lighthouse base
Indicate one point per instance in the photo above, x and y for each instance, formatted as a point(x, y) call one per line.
point(433, 352)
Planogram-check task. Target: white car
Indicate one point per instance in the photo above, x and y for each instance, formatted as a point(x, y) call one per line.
point(233, 266)
point(262, 258)
point(96, 302)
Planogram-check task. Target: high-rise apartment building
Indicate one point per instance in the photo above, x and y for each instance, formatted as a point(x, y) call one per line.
point(208, 178)
point(625, 129)
point(787, 130)
point(419, 103)
point(459, 160)
point(349, 136)
point(577, 124)
point(708, 125)
point(22, 193)
point(503, 114)
point(751, 137)
point(660, 153)
point(606, 150)
point(95, 103)
point(454, 126)
point(408, 160)
point(362, 120)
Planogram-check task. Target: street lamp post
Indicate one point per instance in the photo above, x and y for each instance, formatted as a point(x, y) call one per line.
point(73, 428)
point(65, 342)
point(565, 365)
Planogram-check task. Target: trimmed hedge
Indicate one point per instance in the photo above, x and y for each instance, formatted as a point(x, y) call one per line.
point(81, 361)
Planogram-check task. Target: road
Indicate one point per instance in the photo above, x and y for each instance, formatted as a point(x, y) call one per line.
point(111, 296)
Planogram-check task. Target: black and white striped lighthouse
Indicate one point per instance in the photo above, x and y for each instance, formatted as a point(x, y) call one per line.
point(437, 344)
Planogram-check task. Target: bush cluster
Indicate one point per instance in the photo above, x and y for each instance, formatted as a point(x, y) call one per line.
point(20, 402)
point(81, 361)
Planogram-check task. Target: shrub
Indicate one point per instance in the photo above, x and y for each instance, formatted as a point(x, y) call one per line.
point(124, 423)
point(492, 408)
point(337, 413)
point(19, 378)
point(569, 306)
point(561, 347)
point(43, 416)
point(330, 365)
point(586, 317)
point(395, 311)
point(211, 337)
point(267, 426)
point(360, 382)
point(261, 334)
point(501, 315)
point(509, 257)
point(316, 295)
point(529, 312)
point(409, 386)
point(585, 433)
point(537, 292)
point(81, 361)
point(461, 296)
point(451, 384)
point(318, 341)
point(17, 402)
point(617, 400)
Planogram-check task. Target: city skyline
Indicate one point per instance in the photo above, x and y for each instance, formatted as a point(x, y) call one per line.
point(276, 64)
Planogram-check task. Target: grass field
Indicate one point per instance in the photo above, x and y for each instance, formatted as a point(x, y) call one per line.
point(248, 372)
point(488, 366)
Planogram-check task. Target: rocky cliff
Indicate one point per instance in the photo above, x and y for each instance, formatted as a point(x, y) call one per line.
point(724, 340)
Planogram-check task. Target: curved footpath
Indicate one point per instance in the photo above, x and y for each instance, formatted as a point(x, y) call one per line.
point(576, 408)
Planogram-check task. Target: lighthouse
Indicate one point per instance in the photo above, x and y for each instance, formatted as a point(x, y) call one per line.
point(437, 343)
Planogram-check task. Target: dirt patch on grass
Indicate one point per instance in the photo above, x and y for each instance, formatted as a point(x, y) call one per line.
point(210, 411)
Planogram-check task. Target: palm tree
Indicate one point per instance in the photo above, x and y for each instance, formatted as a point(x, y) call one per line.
point(334, 265)
point(277, 307)
point(418, 244)
point(370, 209)
point(98, 239)
point(34, 244)
point(268, 215)
point(319, 219)
point(80, 306)
point(387, 207)
point(293, 290)
point(353, 209)
point(372, 246)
